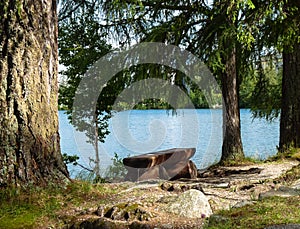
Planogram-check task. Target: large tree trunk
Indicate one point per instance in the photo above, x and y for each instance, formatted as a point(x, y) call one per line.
point(290, 108)
point(232, 149)
point(29, 139)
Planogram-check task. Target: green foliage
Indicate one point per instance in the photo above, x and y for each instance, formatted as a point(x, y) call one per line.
point(3, 9)
point(117, 170)
point(81, 43)
point(70, 159)
point(290, 152)
point(265, 101)
point(198, 98)
point(246, 91)
point(211, 41)
point(89, 176)
point(85, 174)
point(19, 7)
point(152, 104)
point(114, 172)
point(270, 211)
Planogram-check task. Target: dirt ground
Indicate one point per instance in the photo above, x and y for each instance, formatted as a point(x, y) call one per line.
point(224, 187)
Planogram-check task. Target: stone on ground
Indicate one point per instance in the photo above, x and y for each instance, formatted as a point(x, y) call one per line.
point(281, 192)
point(296, 184)
point(190, 204)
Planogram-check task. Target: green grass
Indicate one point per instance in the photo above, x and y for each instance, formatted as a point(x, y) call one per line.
point(264, 213)
point(289, 153)
point(290, 176)
point(19, 216)
point(18, 209)
point(41, 207)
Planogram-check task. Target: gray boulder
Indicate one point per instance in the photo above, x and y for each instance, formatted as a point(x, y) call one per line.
point(281, 192)
point(190, 204)
point(243, 204)
point(296, 184)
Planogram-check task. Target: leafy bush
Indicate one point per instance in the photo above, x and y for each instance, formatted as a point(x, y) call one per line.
point(117, 170)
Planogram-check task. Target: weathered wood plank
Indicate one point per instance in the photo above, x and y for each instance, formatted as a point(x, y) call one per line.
point(165, 164)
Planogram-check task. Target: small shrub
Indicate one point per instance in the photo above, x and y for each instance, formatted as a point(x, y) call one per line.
point(117, 170)
point(70, 159)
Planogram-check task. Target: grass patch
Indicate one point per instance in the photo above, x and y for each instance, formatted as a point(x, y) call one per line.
point(19, 216)
point(39, 207)
point(290, 153)
point(290, 176)
point(270, 211)
point(20, 208)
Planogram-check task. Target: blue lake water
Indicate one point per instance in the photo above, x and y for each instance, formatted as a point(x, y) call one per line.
point(140, 131)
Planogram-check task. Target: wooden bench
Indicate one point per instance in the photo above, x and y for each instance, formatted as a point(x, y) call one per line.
point(170, 164)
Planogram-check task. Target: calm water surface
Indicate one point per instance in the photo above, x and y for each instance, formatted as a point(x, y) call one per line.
point(141, 131)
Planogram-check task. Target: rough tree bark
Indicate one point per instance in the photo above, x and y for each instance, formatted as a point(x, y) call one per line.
point(290, 107)
point(232, 148)
point(29, 139)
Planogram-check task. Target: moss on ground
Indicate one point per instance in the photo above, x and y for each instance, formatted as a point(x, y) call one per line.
point(42, 207)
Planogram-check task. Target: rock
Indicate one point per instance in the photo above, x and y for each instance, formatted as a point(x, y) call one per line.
point(180, 187)
point(171, 187)
point(101, 211)
point(290, 190)
point(190, 204)
point(217, 219)
point(225, 172)
point(296, 184)
point(220, 185)
point(281, 192)
point(138, 225)
point(96, 223)
point(165, 226)
point(124, 212)
point(247, 187)
point(243, 204)
point(167, 186)
point(117, 213)
point(166, 164)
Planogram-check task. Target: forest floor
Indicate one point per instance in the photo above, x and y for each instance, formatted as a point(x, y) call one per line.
point(248, 196)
